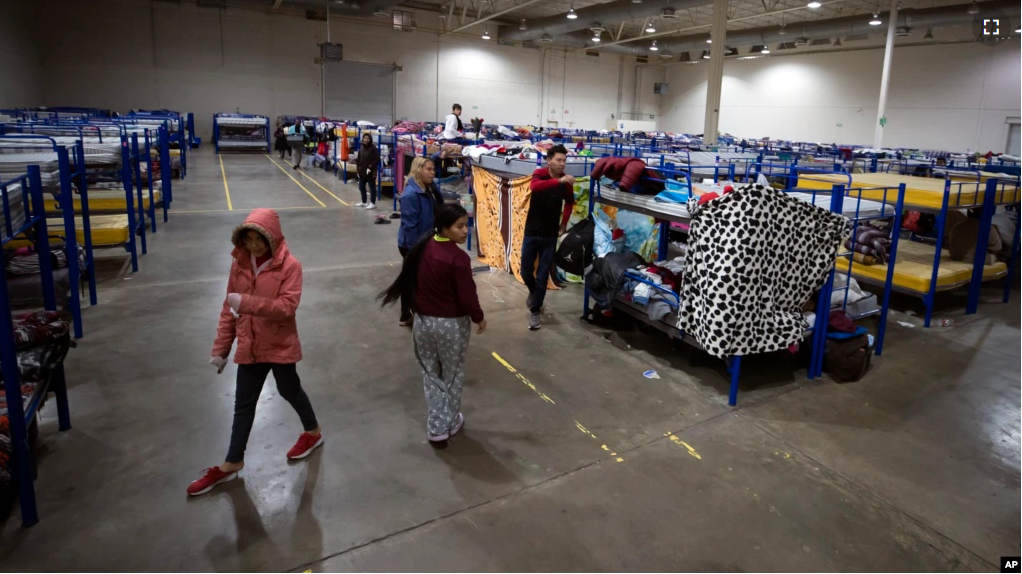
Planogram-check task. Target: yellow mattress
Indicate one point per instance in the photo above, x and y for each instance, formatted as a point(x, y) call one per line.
point(107, 200)
point(106, 230)
point(913, 269)
point(920, 192)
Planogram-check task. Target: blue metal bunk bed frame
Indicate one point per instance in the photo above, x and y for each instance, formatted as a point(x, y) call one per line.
point(19, 416)
point(996, 192)
point(178, 136)
point(818, 330)
point(216, 129)
point(65, 202)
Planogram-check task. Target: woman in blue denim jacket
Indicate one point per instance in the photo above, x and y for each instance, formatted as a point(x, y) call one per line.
point(419, 201)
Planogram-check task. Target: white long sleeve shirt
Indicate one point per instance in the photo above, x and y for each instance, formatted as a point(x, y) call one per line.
point(451, 129)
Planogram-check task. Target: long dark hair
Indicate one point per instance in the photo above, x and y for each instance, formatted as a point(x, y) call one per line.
point(408, 280)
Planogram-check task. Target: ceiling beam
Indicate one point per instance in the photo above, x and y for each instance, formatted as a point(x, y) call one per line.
point(698, 27)
point(480, 20)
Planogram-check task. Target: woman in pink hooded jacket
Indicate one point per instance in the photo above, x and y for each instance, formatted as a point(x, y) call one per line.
point(263, 293)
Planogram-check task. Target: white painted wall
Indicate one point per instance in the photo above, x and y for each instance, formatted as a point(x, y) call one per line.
point(19, 58)
point(203, 60)
point(952, 97)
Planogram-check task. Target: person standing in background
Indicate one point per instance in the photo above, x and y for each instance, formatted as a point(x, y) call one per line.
point(553, 197)
point(419, 203)
point(368, 161)
point(280, 142)
point(297, 144)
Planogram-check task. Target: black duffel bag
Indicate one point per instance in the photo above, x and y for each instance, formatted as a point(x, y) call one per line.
point(576, 251)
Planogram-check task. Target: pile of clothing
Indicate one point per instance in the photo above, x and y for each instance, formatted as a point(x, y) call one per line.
point(25, 260)
point(869, 244)
point(43, 339)
point(407, 127)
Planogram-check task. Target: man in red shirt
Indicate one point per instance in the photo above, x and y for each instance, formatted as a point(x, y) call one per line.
point(553, 197)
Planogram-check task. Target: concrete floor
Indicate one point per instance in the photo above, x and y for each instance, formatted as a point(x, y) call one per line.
point(914, 468)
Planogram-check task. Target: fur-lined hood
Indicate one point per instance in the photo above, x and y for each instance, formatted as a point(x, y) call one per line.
point(267, 223)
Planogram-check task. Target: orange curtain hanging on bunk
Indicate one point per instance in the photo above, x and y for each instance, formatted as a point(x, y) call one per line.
point(502, 204)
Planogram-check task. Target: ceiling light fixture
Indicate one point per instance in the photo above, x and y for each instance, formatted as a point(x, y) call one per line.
point(571, 13)
point(706, 54)
point(650, 28)
point(486, 34)
point(781, 31)
point(875, 21)
point(709, 40)
point(814, 4)
point(596, 35)
point(765, 50)
point(546, 38)
point(522, 26)
point(653, 47)
point(837, 43)
point(928, 35)
point(973, 8)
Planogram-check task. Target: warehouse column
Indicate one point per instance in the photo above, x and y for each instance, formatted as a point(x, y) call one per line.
point(717, 50)
point(892, 25)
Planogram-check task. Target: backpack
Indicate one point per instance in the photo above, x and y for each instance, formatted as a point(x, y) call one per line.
point(847, 360)
point(575, 253)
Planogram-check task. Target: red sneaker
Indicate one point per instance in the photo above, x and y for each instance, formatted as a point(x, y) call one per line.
point(209, 480)
point(305, 445)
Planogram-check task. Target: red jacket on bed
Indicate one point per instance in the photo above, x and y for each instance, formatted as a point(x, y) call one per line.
point(629, 171)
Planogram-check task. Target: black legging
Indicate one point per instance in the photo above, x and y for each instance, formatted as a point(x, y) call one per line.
point(246, 395)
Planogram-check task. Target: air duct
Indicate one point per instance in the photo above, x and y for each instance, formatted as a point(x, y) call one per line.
point(847, 27)
point(613, 12)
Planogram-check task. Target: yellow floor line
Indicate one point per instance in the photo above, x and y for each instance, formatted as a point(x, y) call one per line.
point(317, 184)
point(226, 190)
point(298, 183)
point(228, 210)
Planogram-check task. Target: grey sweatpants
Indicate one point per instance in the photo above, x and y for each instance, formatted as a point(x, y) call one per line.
point(440, 347)
point(297, 150)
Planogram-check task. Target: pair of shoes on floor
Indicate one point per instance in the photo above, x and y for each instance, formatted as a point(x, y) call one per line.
point(381, 220)
point(534, 322)
point(395, 216)
point(458, 423)
point(213, 476)
point(370, 206)
point(295, 166)
point(360, 204)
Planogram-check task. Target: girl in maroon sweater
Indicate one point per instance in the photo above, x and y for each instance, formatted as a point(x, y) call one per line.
point(437, 277)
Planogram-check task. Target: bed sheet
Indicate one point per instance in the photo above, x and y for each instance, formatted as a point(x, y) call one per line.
point(920, 192)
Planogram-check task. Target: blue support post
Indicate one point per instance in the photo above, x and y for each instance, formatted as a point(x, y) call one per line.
point(931, 295)
point(149, 179)
point(83, 194)
point(1014, 254)
point(129, 198)
point(216, 135)
point(889, 283)
point(165, 179)
point(979, 260)
point(819, 337)
point(735, 368)
point(42, 238)
point(71, 238)
point(137, 182)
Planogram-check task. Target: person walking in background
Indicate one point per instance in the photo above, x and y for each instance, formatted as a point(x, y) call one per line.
point(367, 164)
point(297, 143)
point(419, 202)
point(280, 142)
point(553, 197)
point(437, 277)
point(263, 292)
